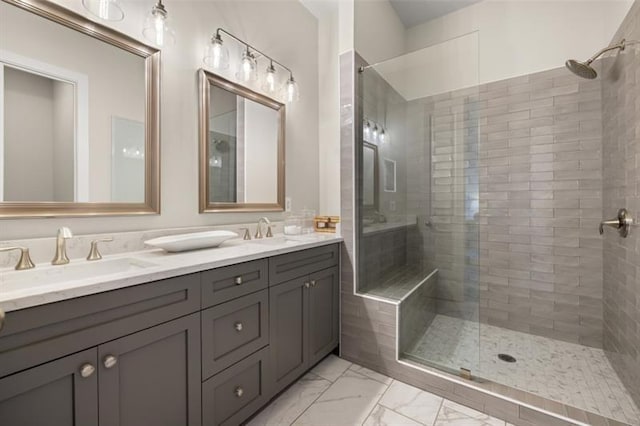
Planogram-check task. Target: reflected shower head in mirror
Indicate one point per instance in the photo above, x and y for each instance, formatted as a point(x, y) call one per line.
point(584, 69)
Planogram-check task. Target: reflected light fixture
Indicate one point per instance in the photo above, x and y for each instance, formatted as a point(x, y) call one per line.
point(156, 27)
point(216, 53)
point(374, 134)
point(217, 56)
point(366, 131)
point(109, 10)
point(382, 136)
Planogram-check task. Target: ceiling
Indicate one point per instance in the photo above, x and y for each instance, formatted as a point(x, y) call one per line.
point(414, 12)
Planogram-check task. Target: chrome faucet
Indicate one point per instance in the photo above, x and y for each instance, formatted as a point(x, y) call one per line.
point(61, 258)
point(259, 228)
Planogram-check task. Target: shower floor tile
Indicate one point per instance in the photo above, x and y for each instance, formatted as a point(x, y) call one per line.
point(572, 374)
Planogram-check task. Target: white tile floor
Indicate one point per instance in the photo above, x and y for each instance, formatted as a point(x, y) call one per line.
point(337, 392)
point(572, 374)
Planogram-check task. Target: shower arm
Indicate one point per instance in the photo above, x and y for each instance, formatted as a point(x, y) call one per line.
point(623, 43)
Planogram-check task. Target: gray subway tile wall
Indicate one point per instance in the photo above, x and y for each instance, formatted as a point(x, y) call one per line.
point(621, 166)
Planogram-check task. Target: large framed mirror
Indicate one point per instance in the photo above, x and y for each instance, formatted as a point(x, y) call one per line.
point(79, 116)
point(241, 148)
point(370, 180)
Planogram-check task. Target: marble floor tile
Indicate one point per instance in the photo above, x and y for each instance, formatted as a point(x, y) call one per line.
point(412, 402)
point(347, 402)
point(452, 414)
point(572, 374)
point(381, 416)
point(371, 374)
point(331, 368)
point(293, 402)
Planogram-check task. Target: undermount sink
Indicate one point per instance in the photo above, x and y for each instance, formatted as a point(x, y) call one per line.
point(47, 275)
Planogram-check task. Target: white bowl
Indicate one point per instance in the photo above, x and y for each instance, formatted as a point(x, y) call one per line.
point(193, 241)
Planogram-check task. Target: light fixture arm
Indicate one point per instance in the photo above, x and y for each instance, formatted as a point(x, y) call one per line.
point(248, 46)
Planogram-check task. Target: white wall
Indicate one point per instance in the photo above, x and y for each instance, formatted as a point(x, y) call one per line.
point(283, 29)
point(378, 34)
point(518, 37)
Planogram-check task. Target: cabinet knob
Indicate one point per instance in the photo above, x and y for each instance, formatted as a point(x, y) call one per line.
point(238, 280)
point(87, 370)
point(307, 285)
point(109, 361)
point(2, 316)
point(238, 392)
point(238, 326)
point(313, 283)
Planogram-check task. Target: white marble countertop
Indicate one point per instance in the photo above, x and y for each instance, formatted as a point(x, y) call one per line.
point(164, 265)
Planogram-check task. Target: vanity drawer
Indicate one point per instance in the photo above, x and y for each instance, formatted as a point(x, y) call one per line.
point(230, 282)
point(233, 330)
point(35, 335)
point(288, 266)
point(235, 394)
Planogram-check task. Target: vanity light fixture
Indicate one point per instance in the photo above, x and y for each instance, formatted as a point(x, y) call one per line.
point(109, 10)
point(374, 133)
point(366, 131)
point(217, 56)
point(382, 136)
point(156, 27)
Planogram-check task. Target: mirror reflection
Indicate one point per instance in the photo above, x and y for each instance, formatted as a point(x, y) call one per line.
point(242, 148)
point(370, 176)
point(76, 111)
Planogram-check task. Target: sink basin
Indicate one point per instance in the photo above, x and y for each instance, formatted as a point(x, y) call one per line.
point(192, 241)
point(48, 275)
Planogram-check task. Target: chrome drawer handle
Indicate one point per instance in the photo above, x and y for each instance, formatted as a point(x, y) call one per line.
point(238, 392)
point(110, 361)
point(238, 280)
point(87, 370)
point(238, 326)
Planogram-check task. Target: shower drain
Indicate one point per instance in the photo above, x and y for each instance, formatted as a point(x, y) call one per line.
point(506, 358)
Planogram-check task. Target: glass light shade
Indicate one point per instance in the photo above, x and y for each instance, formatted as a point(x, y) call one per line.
point(269, 85)
point(291, 91)
point(156, 27)
point(366, 131)
point(216, 54)
point(109, 10)
point(247, 71)
point(374, 134)
point(382, 137)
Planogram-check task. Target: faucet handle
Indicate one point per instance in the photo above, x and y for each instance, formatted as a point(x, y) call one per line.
point(94, 253)
point(25, 261)
point(269, 233)
point(247, 234)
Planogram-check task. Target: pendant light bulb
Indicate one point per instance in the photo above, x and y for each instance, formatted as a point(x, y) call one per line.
point(291, 91)
point(216, 54)
point(382, 135)
point(156, 28)
point(374, 134)
point(247, 71)
point(270, 79)
point(109, 10)
point(366, 131)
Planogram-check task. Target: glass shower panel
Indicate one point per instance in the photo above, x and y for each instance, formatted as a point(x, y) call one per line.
point(418, 239)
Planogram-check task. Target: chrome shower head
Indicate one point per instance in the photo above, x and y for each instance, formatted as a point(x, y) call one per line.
point(581, 69)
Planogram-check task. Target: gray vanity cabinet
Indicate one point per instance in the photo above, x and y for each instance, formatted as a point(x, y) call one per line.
point(63, 392)
point(323, 318)
point(152, 377)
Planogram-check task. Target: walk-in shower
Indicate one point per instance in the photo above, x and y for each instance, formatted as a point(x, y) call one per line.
point(484, 230)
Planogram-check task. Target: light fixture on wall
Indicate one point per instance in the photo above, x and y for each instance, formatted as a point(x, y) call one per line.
point(217, 57)
point(156, 28)
point(109, 10)
point(375, 134)
point(366, 130)
point(382, 136)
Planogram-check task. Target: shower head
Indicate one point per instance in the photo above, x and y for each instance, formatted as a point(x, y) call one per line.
point(584, 69)
point(581, 69)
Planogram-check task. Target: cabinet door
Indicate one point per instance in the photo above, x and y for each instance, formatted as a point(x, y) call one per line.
point(152, 378)
point(287, 323)
point(53, 394)
point(323, 313)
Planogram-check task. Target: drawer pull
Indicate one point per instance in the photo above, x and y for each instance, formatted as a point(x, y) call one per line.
point(87, 370)
point(238, 326)
point(238, 392)
point(238, 280)
point(110, 361)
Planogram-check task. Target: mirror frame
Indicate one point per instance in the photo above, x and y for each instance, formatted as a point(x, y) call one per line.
point(207, 80)
point(376, 177)
point(151, 55)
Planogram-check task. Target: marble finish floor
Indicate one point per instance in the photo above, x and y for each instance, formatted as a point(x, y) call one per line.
point(572, 374)
point(339, 393)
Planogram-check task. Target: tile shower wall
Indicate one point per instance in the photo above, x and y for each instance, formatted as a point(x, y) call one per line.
point(518, 160)
point(621, 163)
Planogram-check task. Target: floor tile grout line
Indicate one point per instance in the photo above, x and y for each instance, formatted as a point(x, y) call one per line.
point(438, 413)
point(378, 400)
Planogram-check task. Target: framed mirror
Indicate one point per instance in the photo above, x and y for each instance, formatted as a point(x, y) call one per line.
point(241, 148)
point(370, 176)
point(389, 175)
point(79, 116)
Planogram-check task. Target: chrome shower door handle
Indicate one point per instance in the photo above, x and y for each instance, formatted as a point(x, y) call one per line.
point(622, 223)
